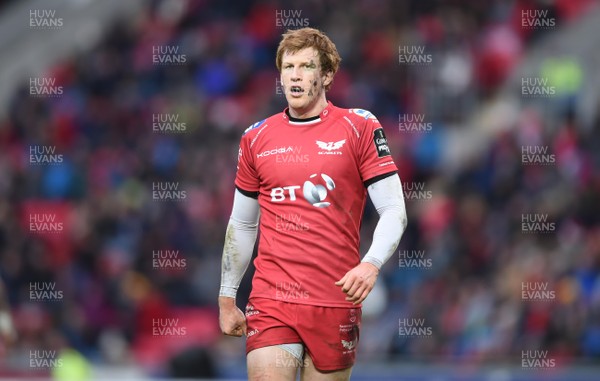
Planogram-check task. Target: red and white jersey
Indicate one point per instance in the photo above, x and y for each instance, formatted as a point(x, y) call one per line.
point(310, 180)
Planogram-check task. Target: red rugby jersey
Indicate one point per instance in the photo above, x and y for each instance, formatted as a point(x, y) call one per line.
point(310, 180)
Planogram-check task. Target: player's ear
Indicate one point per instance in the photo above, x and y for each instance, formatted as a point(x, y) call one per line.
point(327, 79)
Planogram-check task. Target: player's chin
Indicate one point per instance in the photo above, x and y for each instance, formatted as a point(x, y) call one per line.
point(295, 101)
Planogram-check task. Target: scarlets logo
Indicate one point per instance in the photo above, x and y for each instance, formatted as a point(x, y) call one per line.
point(349, 345)
point(330, 148)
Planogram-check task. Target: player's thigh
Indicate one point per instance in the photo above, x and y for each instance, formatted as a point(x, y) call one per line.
point(310, 373)
point(271, 363)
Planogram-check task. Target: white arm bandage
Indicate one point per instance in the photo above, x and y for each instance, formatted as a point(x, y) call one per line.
point(388, 199)
point(239, 243)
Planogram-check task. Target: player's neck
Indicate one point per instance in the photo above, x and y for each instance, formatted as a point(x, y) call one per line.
point(309, 112)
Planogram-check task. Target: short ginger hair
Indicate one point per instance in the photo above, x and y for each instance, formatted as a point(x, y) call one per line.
point(293, 41)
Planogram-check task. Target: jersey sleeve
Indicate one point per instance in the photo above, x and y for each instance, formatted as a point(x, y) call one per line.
point(246, 178)
point(375, 158)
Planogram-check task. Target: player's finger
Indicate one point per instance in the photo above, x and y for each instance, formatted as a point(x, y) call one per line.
point(363, 296)
point(342, 281)
point(353, 293)
point(357, 284)
point(229, 333)
point(237, 332)
point(348, 285)
point(358, 296)
point(362, 293)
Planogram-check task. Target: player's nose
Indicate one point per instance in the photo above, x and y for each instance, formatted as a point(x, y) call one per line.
point(296, 74)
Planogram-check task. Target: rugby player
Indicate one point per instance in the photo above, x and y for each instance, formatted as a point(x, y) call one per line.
point(306, 171)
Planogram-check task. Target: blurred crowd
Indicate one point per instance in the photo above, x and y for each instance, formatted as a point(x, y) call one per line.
point(101, 259)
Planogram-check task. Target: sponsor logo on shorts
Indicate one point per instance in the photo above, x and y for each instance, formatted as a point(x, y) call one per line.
point(352, 314)
point(349, 345)
point(349, 333)
point(253, 332)
point(251, 311)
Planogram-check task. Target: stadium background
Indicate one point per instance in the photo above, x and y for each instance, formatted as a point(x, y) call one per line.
point(491, 110)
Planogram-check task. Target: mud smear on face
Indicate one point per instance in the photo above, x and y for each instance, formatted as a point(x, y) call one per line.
point(314, 86)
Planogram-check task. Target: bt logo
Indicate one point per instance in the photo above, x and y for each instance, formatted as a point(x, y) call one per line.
point(315, 194)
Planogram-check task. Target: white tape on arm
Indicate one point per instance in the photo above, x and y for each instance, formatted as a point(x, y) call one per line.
point(239, 243)
point(388, 199)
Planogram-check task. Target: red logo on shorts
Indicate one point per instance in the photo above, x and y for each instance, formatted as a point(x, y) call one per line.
point(353, 315)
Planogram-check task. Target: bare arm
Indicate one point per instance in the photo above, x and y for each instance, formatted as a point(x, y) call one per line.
point(8, 335)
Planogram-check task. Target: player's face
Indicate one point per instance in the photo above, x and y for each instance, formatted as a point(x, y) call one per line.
point(303, 83)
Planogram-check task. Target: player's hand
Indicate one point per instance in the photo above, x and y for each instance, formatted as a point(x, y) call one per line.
point(358, 282)
point(8, 334)
point(231, 319)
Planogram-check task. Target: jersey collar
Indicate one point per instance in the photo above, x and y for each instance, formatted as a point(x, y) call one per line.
point(323, 115)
